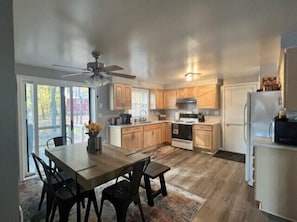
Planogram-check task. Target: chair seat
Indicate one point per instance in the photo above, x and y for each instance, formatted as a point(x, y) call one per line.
point(121, 190)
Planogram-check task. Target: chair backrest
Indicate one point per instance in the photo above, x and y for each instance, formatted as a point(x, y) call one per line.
point(59, 141)
point(51, 174)
point(36, 161)
point(137, 171)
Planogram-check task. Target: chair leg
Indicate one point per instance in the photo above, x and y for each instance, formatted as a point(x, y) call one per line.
point(121, 212)
point(101, 207)
point(64, 212)
point(41, 198)
point(140, 209)
point(92, 198)
point(53, 212)
point(49, 204)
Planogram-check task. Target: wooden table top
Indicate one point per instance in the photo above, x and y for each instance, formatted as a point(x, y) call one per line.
point(91, 170)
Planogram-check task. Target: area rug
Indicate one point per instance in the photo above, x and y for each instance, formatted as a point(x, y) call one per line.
point(230, 156)
point(178, 206)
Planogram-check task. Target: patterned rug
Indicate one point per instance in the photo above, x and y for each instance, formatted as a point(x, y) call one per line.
point(178, 206)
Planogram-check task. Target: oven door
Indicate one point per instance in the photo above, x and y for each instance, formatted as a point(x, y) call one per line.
point(182, 131)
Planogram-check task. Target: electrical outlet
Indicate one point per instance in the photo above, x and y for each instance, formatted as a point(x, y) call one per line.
point(99, 115)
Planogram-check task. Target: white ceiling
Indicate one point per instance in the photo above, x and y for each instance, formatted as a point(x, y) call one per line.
point(156, 40)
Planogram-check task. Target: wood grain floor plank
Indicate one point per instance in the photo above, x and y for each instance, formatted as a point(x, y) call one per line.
point(221, 182)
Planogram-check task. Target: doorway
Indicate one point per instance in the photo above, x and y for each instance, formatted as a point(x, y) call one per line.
point(51, 110)
point(234, 116)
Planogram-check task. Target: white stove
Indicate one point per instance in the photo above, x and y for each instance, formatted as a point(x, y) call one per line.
point(182, 131)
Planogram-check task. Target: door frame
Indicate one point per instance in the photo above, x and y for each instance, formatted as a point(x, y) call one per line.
point(22, 130)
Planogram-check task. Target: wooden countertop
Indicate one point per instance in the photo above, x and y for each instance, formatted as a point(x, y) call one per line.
point(160, 121)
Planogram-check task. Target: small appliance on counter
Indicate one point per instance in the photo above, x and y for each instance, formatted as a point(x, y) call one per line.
point(285, 131)
point(162, 117)
point(125, 118)
point(201, 117)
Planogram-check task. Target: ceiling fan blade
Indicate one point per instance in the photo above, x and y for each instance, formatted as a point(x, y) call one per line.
point(75, 74)
point(71, 67)
point(121, 75)
point(111, 68)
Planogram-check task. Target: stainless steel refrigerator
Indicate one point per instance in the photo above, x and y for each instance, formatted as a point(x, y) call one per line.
point(261, 108)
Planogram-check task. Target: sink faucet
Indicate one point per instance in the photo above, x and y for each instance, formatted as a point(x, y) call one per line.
point(142, 119)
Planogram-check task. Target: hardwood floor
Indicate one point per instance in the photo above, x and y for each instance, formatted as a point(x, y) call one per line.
point(221, 182)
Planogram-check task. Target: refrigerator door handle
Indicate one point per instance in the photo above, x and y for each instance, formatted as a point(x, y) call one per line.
point(244, 123)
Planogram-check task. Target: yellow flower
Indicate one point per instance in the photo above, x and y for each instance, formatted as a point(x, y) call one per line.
point(94, 128)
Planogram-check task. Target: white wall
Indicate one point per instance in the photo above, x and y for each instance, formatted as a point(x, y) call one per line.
point(9, 163)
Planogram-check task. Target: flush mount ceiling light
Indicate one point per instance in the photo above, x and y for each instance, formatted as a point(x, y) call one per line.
point(192, 75)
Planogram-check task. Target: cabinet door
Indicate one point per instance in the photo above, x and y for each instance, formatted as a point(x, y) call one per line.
point(208, 97)
point(182, 93)
point(118, 96)
point(170, 99)
point(168, 132)
point(138, 140)
point(159, 99)
point(148, 137)
point(127, 142)
point(127, 96)
point(290, 80)
point(157, 135)
point(156, 99)
point(132, 141)
point(203, 139)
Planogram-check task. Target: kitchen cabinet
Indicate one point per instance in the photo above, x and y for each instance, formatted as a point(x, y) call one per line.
point(206, 136)
point(186, 92)
point(288, 78)
point(120, 96)
point(156, 99)
point(169, 98)
point(276, 178)
point(132, 138)
point(152, 135)
point(208, 97)
point(167, 133)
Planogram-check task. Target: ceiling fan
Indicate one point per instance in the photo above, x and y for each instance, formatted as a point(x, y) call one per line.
point(100, 74)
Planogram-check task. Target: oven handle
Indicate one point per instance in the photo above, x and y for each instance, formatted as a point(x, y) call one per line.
point(181, 140)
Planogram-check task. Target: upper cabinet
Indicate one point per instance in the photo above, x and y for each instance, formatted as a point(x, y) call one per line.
point(120, 96)
point(208, 97)
point(186, 92)
point(156, 99)
point(169, 98)
point(288, 78)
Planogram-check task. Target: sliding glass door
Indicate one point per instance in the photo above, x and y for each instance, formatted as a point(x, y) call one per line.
point(52, 111)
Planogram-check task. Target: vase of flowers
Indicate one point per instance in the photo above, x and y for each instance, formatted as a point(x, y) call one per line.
point(94, 142)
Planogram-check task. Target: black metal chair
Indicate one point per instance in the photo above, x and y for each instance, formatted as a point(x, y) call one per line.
point(65, 196)
point(122, 193)
point(58, 141)
point(45, 189)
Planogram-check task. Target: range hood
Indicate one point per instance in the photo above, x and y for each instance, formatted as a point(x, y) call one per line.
point(186, 100)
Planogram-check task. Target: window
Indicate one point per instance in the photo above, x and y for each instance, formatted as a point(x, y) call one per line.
point(140, 102)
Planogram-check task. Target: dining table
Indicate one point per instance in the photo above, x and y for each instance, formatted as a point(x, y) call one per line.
point(90, 170)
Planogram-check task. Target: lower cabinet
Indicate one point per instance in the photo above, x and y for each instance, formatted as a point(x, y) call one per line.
point(152, 135)
point(141, 136)
point(132, 138)
point(206, 137)
point(167, 132)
